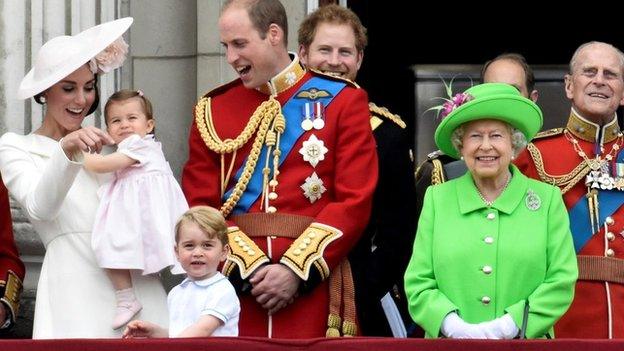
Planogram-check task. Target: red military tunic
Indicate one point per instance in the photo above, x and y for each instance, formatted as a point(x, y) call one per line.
point(598, 307)
point(337, 218)
point(11, 267)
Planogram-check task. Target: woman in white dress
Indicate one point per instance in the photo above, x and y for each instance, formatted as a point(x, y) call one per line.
point(43, 172)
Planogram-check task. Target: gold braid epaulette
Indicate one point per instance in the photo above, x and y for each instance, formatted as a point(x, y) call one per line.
point(260, 120)
point(437, 173)
point(566, 181)
point(382, 111)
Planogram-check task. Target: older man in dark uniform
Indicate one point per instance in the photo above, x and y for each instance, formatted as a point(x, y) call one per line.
point(11, 267)
point(289, 157)
point(332, 39)
point(585, 160)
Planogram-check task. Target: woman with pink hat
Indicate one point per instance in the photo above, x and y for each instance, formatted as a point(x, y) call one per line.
point(43, 172)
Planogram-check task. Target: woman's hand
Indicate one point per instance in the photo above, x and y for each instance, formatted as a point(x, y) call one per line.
point(87, 139)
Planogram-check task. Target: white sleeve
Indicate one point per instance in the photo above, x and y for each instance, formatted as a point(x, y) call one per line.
point(40, 192)
point(223, 304)
point(135, 148)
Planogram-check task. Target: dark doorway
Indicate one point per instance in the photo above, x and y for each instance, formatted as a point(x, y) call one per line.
point(462, 34)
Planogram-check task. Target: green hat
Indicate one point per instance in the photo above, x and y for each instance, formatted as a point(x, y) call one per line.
point(489, 101)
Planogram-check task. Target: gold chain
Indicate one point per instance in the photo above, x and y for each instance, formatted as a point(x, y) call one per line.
point(596, 163)
point(261, 120)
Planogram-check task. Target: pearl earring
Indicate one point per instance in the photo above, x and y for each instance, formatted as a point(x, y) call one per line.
point(461, 158)
point(42, 99)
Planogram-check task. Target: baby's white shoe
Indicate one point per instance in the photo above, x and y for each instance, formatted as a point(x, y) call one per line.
point(127, 307)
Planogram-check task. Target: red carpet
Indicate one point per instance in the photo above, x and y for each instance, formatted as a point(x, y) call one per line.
point(342, 344)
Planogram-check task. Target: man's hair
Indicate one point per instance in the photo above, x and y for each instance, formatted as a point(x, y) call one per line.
point(209, 220)
point(529, 77)
point(333, 14)
point(576, 54)
point(262, 14)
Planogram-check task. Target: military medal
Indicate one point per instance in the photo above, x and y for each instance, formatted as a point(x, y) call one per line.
point(307, 123)
point(313, 188)
point(532, 200)
point(313, 150)
point(319, 117)
point(619, 176)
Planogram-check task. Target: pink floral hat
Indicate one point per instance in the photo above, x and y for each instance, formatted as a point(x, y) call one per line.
point(102, 47)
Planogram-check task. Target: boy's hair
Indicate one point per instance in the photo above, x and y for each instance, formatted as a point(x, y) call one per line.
point(209, 220)
point(126, 94)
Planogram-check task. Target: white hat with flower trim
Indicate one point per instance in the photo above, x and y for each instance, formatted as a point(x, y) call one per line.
point(102, 47)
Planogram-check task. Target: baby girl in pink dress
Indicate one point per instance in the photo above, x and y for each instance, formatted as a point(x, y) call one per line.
point(138, 209)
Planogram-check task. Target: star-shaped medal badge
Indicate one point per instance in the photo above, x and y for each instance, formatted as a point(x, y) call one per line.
point(290, 78)
point(313, 188)
point(313, 150)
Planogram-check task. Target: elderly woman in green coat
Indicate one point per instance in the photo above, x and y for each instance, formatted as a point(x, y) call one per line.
point(493, 256)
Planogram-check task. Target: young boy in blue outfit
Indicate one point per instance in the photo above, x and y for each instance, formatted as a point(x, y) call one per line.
point(205, 303)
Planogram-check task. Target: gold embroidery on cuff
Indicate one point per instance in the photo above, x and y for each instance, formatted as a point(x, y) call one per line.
point(245, 253)
point(12, 291)
point(308, 250)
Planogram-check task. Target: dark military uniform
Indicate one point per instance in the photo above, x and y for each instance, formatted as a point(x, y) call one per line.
point(391, 229)
point(436, 169)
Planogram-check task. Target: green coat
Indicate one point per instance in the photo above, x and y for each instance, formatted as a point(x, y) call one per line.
point(484, 262)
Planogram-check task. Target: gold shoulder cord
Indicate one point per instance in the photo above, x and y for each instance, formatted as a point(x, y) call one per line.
point(566, 181)
point(260, 121)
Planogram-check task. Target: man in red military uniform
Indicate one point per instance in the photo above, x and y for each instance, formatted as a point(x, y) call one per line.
point(289, 157)
point(585, 160)
point(11, 267)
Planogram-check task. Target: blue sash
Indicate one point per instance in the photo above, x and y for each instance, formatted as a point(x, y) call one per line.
point(609, 201)
point(292, 111)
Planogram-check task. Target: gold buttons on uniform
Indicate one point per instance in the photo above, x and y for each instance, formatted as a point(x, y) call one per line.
point(610, 252)
point(488, 240)
point(297, 252)
point(609, 220)
point(251, 252)
point(491, 216)
point(487, 269)
point(610, 236)
point(272, 209)
point(486, 300)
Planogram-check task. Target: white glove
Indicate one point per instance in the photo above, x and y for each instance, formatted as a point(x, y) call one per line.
point(456, 328)
point(500, 328)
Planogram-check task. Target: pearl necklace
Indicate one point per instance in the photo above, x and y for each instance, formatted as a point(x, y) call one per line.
point(489, 203)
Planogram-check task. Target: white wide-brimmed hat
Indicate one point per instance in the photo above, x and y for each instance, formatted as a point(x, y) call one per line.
point(62, 55)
